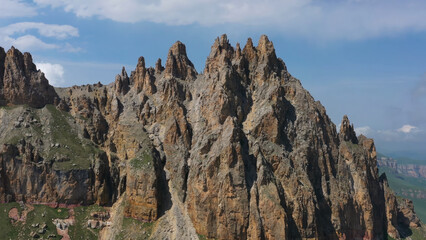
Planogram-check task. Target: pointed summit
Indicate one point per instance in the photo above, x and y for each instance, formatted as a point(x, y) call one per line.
point(139, 74)
point(158, 67)
point(178, 65)
point(122, 82)
point(238, 50)
point(249, 51)
point(265, 47)
point(221, 44)
point(221, 54)
point(347, 132)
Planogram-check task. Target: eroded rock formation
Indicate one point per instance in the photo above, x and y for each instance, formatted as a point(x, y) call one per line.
point(241, 151)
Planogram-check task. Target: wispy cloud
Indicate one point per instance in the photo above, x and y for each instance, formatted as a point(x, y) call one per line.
point(15, 34)
point(45, 30)
point(53, 72)
point(26, 43)
point(404, 133)
point(347, 19)
point(16, 8)
point(363, 130)
point(407, 128)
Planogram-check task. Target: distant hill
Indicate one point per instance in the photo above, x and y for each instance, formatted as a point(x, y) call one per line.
point(407, 178)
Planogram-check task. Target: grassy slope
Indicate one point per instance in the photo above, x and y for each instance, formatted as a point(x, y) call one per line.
point(20, 230)
point(80, 230)
point(79, 151)
point(131, 229)
point(53, 127)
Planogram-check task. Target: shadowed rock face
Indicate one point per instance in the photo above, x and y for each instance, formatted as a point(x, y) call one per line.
point(241, 151)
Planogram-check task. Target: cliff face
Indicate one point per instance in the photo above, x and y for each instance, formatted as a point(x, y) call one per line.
point(241, 151)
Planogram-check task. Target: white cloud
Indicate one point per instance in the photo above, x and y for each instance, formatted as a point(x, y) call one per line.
point(26, 43)
point(14, 35)
point(53, 72)
point(45, 30)
point(363, 130)
point(346, 19)
point(16, 8)
point(407, 129)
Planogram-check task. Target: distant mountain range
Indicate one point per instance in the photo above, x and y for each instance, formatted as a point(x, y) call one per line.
point(407, 178)
point(403, 166)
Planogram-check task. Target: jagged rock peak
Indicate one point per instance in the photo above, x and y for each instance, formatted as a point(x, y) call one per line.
point(158, 67)
point(141, 63)
point(122, 82)
point(249, 50)
point(139, 74)
point(22, 83)
point(264, 51)
point(178, 48)
point(237, 50)
point(178, 65)
point(347, 132)
point(265, 47)
point(221, 54)
point(222, 43)
point(123, 71)
point(24, 61)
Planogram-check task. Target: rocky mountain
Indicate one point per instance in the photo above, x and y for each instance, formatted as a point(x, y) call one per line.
point(240, 151)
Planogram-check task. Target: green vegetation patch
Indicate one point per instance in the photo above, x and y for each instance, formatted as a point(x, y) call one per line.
point(73, 152)
point(80, 230)
point(352, 146)
point(36, 217)
point(418, 234)
point(144, 160)
point(8, 230)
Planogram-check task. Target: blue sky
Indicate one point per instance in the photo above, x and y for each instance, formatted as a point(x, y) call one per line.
point(363, 58)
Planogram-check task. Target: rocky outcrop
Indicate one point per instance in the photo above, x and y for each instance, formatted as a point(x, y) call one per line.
point(241, 151)
point(391, 209)
point(406, 215)
point(26, 176)
point(142, 187)
point(21, 82)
